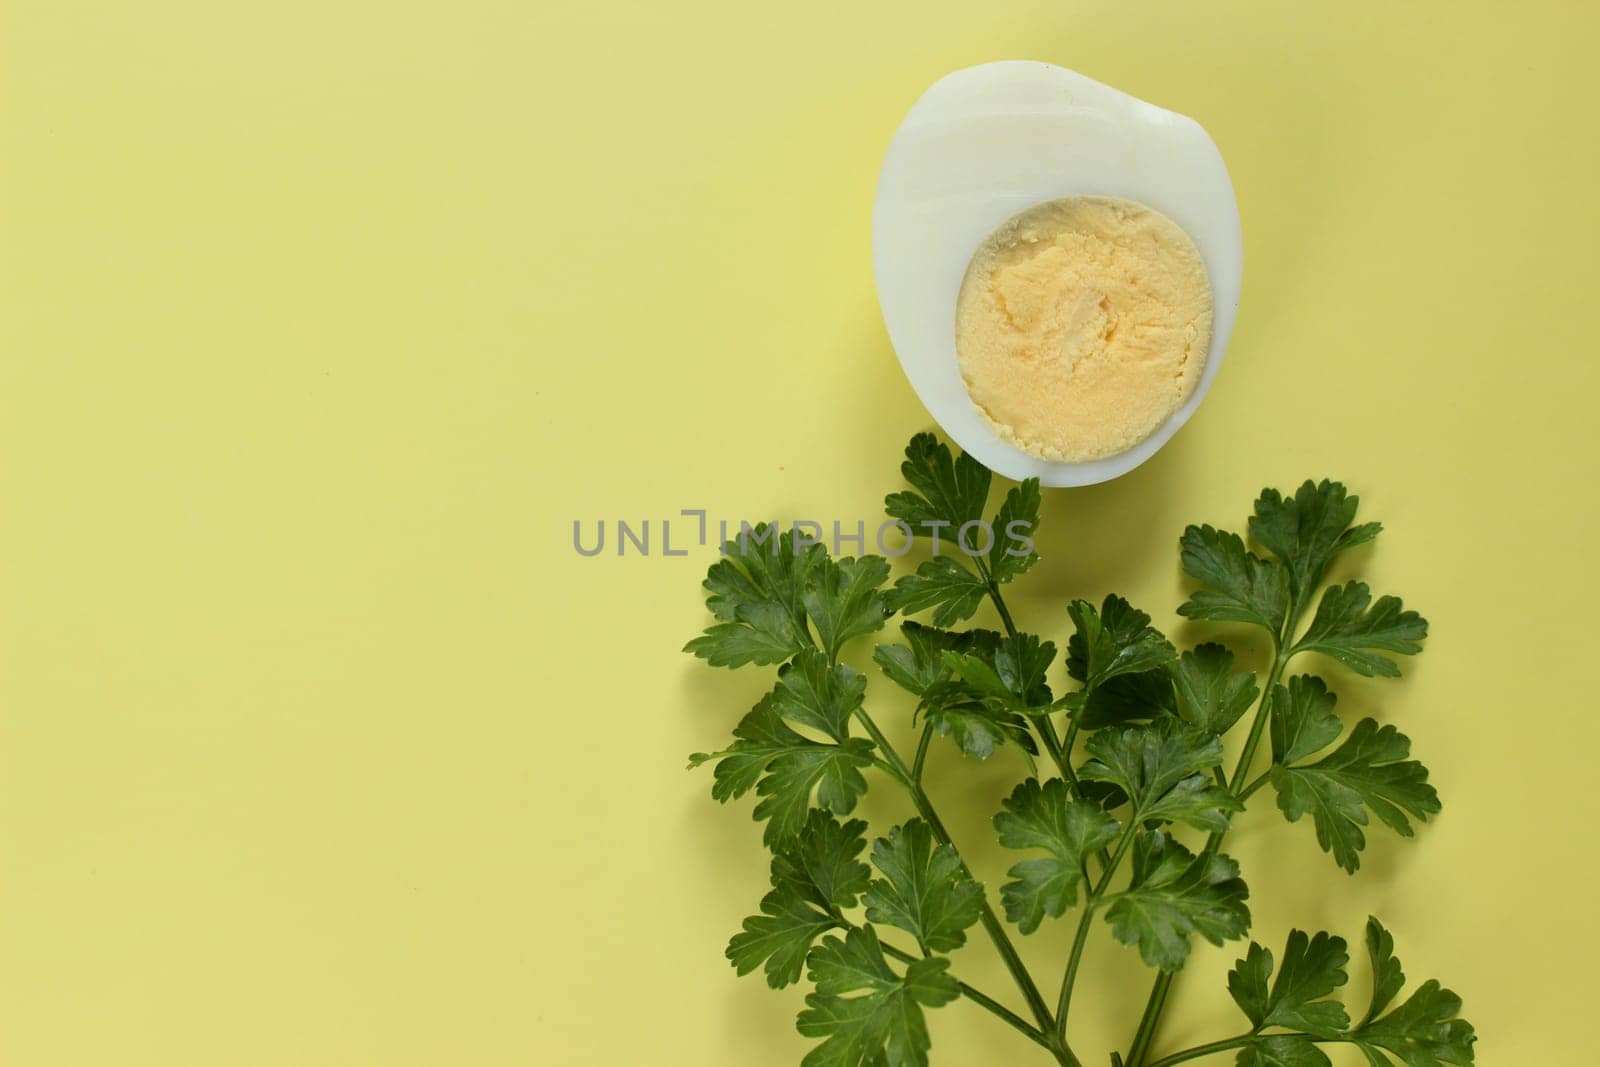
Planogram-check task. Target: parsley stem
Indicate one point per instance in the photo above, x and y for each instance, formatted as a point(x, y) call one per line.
point(982, 1000)
point(1257, 728)
point(1153, 1008)
point(994, 594)
point(991, 925)
point(892, 758)
point(1068, 980)
point(991, 922)
point(1202, 1050)
point(922, 753)
point(1238, 1042)
point(886, 767)
point(1060, 751)
point(1060, 754)
point(1053, 746)
point(1259, 781)
point(1147, 1022)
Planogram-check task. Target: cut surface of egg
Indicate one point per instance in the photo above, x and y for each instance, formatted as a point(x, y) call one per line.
point(988, 142)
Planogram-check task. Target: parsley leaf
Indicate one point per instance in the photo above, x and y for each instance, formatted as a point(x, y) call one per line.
point(979, 675)
point(759, 738)
point(977, 725)
point(765, 588)
point(947, 493)
point(966, 697)
point(1009, 670)
point(1388, 977)
point(786, 768)
point(1282, 1050)
point(813, 694)
point(779, 938)
point(1425, 1029)
point(1162, 768)
point(756, 591)
point(962, 696)
point(1018, 517)
point(1021, 661)
point(940, 583)
point(1308, 530)
point(760, 565)
point(1303, 721)
point(1241, 586)
point(1125, 698)
point(1369, 771)
point(843, 600)
point(832, 772)
point(1210, 695)
point(918, 665)
point(822, 865)
point(925, 890)
point(1122, 661)
point(1047, 817)
point(1115, 640)
point(1173, 894)
point(1345, 629)
point(884, 1025)
point(813, 877)
point(1312, 968)
point(763, 634)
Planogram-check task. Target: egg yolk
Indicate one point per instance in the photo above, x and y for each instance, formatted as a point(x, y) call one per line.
point(1082, 325)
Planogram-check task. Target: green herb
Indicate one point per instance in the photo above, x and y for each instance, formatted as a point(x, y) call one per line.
point(1128, 831)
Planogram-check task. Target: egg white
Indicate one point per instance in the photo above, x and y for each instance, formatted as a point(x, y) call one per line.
point(983, 144)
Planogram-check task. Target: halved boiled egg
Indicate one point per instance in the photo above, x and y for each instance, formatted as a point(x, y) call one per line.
point(1033, 157)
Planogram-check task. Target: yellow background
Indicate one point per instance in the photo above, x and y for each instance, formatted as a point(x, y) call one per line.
point(323, 322)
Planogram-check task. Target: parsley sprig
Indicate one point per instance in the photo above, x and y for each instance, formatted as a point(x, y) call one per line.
point(1129, 831)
